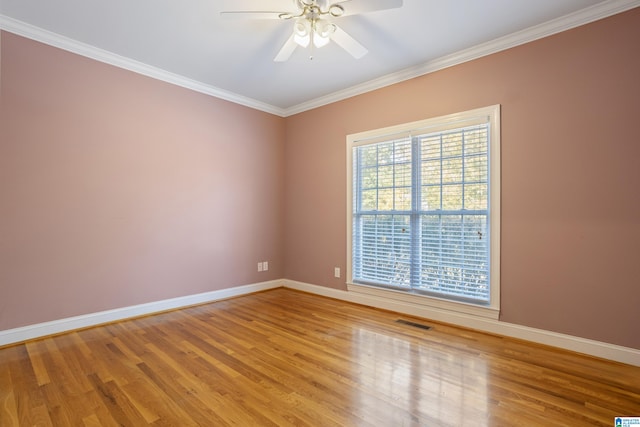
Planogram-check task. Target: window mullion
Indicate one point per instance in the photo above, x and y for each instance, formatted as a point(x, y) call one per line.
point(416, 203)
point(357, 218)
point(440, 258)
point(463, 246)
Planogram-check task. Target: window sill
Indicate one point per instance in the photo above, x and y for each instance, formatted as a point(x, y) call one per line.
point(426, 301)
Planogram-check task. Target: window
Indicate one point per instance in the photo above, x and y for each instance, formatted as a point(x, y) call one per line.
point(424, 209)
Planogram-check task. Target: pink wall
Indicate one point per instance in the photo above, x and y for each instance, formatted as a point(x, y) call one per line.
point(570, 175)
point(117, 189)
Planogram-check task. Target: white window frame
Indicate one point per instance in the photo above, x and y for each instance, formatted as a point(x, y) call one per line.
point(490, 115)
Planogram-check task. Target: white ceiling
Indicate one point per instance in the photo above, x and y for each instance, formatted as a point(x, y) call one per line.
point(186, 41)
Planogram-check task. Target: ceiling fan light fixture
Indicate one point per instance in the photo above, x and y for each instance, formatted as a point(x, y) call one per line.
point(302, 32)
point(322, 32)
point(325, 29)
point(319, 41)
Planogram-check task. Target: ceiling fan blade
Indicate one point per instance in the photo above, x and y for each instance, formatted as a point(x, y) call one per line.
point(352, 7)
point(286, 50)
point(250, 14)
point(348, 43)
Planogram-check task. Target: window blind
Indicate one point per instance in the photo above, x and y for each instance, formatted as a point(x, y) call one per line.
point(420, 213)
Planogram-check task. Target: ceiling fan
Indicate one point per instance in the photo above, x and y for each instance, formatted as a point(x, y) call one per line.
point(313, 24)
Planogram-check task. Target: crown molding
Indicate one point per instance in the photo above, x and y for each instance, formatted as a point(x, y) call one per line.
point(558, 25)
point(65, 43)
point(590, 14)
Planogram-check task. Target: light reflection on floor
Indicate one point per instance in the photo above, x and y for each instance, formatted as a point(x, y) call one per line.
point(434, 384)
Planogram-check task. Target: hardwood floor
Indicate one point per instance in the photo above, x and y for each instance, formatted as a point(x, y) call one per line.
point(284, 358)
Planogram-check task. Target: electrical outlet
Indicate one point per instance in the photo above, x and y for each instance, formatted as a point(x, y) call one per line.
point(259, 266)
point(336, 272)
point(265, 266)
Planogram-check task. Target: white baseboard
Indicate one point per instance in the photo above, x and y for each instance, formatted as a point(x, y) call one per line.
point(603, 350)
point(581, 345)
point(16, 335)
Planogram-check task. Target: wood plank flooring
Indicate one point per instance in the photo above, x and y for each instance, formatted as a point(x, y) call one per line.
point(287, 358)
